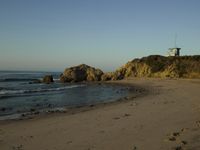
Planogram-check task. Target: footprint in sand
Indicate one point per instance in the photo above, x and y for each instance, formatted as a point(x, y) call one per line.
point(184, 142)
point(184, 129)
point(116, 118)
point(69, 142)
point(175, 136)
point(20, 147)
point(134, 148)
point(127, 115)
point(102, 131)
point(198, 123)
point(178, 148)
point(134, 104)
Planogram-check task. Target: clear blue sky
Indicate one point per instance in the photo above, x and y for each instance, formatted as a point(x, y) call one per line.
point(51, 35)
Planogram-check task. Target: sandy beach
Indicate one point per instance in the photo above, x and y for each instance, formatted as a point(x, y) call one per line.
point(166, 117)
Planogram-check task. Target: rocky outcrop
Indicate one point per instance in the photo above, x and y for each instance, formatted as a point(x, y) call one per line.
point(47, 79)
point(81, 73)
point(112, 76)
point(158, 66)
point(151, 66)
point(107, 76)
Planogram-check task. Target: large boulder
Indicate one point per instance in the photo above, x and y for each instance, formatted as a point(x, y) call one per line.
point(47, 79)
point(81, 73)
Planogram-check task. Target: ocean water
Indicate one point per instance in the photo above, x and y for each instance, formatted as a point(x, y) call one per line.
point(19, 94)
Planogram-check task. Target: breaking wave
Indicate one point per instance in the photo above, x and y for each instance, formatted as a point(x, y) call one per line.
point(17, 79)
point(4, 92)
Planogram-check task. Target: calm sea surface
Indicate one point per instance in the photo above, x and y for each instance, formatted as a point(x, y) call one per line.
point(19, 94)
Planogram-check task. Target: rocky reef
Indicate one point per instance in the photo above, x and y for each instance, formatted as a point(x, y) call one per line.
point(81, 73)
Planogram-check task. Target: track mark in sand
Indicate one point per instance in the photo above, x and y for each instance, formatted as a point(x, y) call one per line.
point(116, 118)
point(184, 142)
point(19, 147)
point(176, 134)
point(69, 142)
point(134, 148)
point(178, 148)
point(184, 129)
point(90, 148)
point(192, 135)
point(127, 115)
point(198, 123)
point(172, 139)
point(176, 137)
point(168, 102)
point(102, 131)
point(31, 136)
point(134, 104)
point(173, 136)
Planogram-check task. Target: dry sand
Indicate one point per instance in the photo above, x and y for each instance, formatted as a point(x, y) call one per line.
point(166, 118)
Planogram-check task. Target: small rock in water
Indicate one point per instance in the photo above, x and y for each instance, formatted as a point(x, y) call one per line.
point(32, 109)
point(48, 79)
point(37, 105)
point(49, 105)
point(23, 115)
point(3, 109)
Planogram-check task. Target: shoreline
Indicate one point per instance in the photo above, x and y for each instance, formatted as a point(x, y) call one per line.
point(133, 93)
point(167, 117)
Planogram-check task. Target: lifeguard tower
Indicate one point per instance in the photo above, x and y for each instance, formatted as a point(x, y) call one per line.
point(174, 51)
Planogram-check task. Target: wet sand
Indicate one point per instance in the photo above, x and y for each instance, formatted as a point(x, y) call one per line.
point(165, 117)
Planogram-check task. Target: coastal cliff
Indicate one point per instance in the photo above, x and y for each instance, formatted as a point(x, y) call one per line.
point(159, 66)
